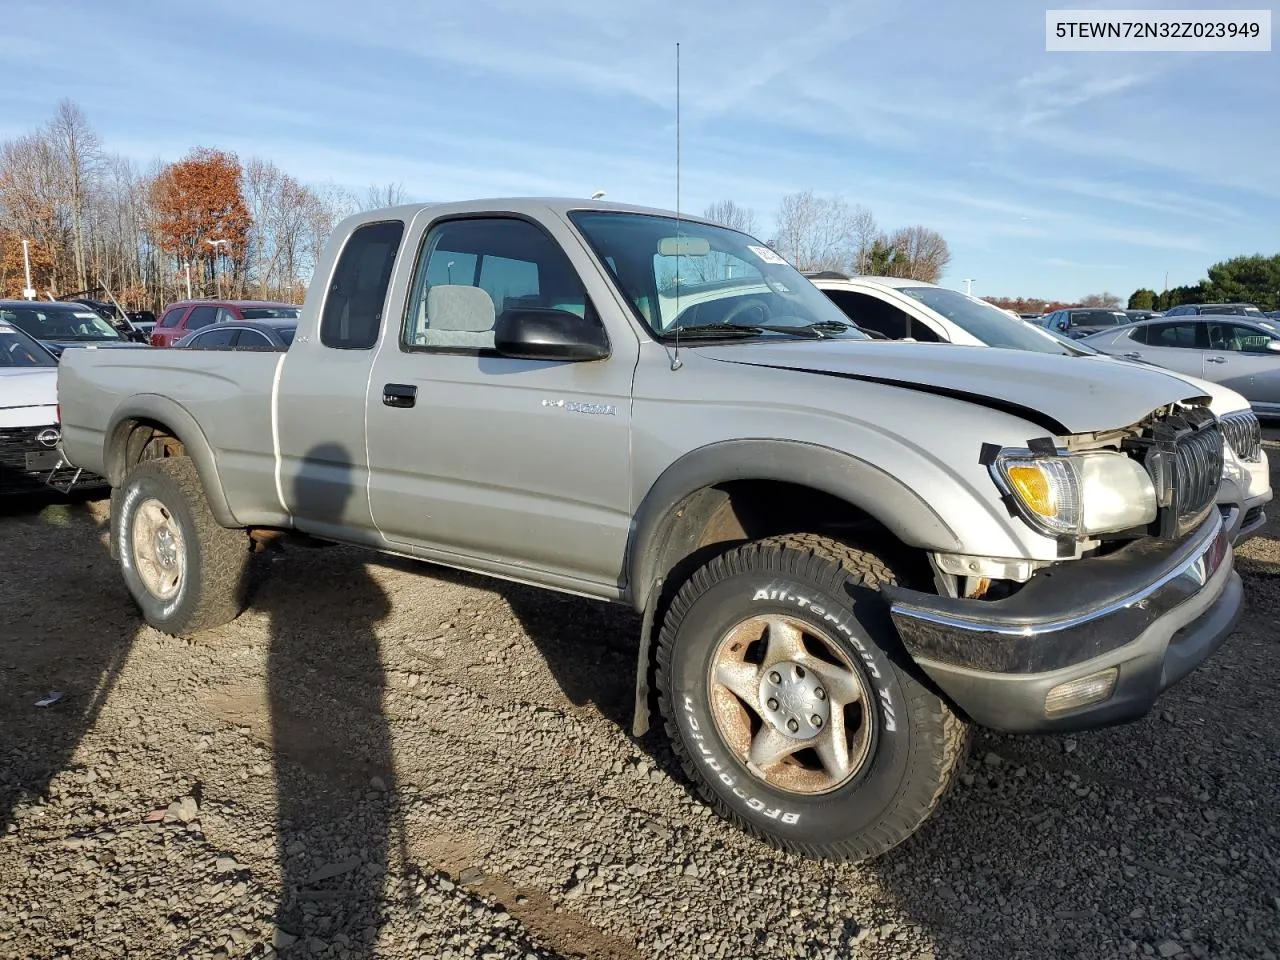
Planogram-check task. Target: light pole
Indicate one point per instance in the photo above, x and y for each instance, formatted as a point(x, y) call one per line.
point(29, 292)
point(217, 274)
point(449, 267)
point(188, 265)
point(968, 286)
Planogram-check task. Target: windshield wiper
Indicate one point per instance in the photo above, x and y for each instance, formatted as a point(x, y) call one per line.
point(713, 331)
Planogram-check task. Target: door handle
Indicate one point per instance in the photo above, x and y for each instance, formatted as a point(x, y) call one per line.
point(399, 395)
point(1132, 356)
point(1215, 359)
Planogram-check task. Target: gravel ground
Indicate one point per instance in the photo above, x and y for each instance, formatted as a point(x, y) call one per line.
point(387, 759)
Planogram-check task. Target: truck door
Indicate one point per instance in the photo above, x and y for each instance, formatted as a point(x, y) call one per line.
point(489, 461)
point(323, 471)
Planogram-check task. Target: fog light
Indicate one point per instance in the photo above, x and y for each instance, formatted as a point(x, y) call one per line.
point(1078, 693)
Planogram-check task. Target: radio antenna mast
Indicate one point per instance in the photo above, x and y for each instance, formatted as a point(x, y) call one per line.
point(676, 362)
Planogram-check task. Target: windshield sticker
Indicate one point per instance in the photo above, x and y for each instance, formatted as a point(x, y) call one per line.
point(767, 255)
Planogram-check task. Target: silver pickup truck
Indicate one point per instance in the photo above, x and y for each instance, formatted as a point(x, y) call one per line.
point(846, 551)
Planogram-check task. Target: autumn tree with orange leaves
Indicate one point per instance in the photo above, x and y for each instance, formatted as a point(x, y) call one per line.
point(196, 200)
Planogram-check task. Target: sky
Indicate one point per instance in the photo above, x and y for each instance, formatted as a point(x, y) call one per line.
point(1050, 174)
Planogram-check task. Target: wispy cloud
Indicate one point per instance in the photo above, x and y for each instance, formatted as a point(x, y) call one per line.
point(1039, 168)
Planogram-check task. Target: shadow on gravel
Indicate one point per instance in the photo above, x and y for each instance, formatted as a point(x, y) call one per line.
point(40, 652)
point(335, 775)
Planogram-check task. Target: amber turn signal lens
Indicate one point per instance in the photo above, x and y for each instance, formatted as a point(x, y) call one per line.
point(1032, 487)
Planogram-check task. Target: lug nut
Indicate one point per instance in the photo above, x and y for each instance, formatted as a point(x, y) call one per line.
point(820, 693)
point(775, 677)
point(816, 721)
point(793, 725)
point(772, 704)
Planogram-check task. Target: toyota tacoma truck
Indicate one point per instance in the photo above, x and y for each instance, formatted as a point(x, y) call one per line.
point(846, 552)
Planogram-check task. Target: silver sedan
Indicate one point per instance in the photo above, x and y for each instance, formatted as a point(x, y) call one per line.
point(1243, 354)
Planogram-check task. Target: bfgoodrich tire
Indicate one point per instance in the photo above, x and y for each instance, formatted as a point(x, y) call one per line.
point(790, 703)
point(185, 572)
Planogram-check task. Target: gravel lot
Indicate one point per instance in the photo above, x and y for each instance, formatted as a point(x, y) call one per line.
point(387, 759)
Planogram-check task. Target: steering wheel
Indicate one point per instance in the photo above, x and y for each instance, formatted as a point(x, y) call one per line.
point(753, 303)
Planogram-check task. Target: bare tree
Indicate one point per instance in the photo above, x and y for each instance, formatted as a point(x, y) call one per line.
point(79, 152)
point(729, 214)
point(387, 195)
point(863, 231)
point(822, 233)
point(922, 254)
point(30, 195)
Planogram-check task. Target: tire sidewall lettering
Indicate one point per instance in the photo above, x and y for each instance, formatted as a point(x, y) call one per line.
point(801, 597)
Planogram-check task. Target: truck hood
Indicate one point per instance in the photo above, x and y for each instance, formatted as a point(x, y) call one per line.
point(1060, 393)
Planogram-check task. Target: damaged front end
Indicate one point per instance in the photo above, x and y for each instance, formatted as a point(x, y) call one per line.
point(1143, 591)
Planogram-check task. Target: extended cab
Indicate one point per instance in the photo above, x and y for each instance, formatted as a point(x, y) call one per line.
point(845, 551)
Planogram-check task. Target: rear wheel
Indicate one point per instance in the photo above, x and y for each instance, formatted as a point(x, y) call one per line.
point(185, 572)
point(792, 706)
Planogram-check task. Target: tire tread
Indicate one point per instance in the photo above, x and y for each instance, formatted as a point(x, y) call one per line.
point(832, 563)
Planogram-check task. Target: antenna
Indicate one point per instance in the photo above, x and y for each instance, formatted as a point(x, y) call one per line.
point(676, 363)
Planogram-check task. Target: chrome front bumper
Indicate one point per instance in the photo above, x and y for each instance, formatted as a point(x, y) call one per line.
point(1153, 611)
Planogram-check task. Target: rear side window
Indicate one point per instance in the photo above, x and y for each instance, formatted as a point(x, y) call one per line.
point(1184, 335)
point(171, 318)
point(201, 317)
point(214, 338)
point(872, 313)
point(357, 293)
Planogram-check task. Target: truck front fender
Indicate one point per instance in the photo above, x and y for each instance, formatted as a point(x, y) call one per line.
point(652, 551)
point(150, 408)
point(857, 482)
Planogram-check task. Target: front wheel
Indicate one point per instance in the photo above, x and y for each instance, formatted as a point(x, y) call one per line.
point(185, 572)
point(792, 706)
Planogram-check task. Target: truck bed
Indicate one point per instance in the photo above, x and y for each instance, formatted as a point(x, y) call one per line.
point(227, 393)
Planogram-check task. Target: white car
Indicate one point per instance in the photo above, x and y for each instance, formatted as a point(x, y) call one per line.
point(30, 438)
point(902, 309)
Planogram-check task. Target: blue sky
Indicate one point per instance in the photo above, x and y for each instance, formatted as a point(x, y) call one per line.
point(1050, 174)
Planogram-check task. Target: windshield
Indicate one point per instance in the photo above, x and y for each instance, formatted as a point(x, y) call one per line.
point(269, 313)
point(19, 350)
point(980, 319)
point(685, 275)
point(57, 322)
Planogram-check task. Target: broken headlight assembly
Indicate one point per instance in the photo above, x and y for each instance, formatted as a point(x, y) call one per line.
point(1075, 495)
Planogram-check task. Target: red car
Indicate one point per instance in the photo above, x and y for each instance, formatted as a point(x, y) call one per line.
point(182, 317)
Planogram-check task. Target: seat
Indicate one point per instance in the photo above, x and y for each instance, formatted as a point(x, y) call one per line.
point(454, 315)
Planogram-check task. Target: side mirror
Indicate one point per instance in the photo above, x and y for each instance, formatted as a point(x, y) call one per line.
point(542, 333)
point(1063, 324)
point(1273, 346)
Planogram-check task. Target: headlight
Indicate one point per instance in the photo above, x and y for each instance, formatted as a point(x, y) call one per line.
point(1076, 495)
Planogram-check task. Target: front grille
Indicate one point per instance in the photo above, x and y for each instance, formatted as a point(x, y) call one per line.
point(1198, 473)
point(1183, 454)
point(1244, 433)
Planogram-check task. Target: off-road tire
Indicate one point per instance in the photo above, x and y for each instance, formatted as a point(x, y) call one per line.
point(920, 745)
point(213, 586)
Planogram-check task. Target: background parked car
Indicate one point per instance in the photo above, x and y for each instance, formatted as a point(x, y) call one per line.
point(181, 318)
point(29, 432)
point(245, 335)
point(1216, 309)
point(1238, 352)
point(59, 325)
point(1078, 322)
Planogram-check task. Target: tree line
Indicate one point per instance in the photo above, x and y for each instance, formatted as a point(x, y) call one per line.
point(829, 233)
point(98, 225)
point(1253, 278)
